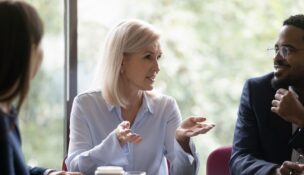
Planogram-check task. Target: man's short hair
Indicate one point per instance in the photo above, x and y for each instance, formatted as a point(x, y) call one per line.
point(296, 20)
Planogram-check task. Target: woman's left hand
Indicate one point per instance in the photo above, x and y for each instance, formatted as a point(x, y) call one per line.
point(193, 126)
point(190, 127)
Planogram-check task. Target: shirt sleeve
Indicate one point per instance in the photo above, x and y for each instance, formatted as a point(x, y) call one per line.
point(180, 162)
point(37, 171)
point(85, 157)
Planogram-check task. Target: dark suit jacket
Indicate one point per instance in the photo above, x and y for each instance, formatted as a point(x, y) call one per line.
point(261, 137)
point(11, 156)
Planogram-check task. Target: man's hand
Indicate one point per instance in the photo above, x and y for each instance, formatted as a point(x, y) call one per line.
point(287, 106)
point(290, 168)
point(124, 134)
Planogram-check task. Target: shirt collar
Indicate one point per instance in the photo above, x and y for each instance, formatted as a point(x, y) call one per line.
point(147, 104)
point(292, 90)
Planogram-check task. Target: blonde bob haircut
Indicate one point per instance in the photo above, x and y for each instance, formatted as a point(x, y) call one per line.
point(129, 36)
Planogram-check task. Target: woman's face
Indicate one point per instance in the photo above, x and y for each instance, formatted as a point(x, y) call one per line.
point(139, 69)
point(36, 59)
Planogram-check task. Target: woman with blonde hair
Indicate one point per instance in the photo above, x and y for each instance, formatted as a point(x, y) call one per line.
point(126, 123)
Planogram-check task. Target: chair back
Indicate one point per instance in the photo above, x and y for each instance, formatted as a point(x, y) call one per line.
point(218, 161)
point(63, 165)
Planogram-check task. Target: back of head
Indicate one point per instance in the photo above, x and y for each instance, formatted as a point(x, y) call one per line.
point(128, 36)
point(296, 20)
point(21, 29)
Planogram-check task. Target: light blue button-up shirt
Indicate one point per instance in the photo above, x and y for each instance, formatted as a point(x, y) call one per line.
point(93, 141)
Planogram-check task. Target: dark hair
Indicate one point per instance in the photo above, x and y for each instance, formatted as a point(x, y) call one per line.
point(296, 20)
point(21, 29)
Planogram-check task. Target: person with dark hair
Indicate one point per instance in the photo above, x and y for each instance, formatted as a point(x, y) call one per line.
point(268, 137)
point(20, 57)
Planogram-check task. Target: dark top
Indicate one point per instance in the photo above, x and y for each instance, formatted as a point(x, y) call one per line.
point(11, 156)
point(261, 137)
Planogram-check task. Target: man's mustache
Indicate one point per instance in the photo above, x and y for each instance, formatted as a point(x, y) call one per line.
point(281, 63)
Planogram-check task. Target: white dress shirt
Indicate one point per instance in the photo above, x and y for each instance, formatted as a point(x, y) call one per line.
point(294, 154)
point(93, 141)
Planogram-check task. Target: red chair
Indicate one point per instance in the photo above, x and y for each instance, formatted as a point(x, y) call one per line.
point(63, 165)
point(218, 161)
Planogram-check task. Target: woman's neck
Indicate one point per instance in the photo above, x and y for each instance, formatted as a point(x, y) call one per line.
point(5, 107)
point(134, 99)
point(134, 102)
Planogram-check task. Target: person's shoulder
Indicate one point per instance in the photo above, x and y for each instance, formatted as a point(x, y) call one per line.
point(262, 79)
point(89, 95)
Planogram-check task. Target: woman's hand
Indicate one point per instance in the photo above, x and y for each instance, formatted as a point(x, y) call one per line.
point(124, 134)
point(190, 127)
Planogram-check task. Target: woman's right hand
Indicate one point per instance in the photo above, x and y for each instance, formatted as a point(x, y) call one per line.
point(124, 134)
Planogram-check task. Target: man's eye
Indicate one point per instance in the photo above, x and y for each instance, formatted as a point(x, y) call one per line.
point(158, 57)
point(286, 50)
point(276, 50)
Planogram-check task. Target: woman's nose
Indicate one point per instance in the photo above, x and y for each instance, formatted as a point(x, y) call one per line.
point(156, 66)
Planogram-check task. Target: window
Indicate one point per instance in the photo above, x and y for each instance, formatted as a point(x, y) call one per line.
point(42, 116)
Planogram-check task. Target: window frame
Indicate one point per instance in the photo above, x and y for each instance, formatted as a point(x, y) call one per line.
point(70, 64)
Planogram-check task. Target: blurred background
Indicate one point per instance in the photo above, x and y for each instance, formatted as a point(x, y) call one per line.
point(210, 47)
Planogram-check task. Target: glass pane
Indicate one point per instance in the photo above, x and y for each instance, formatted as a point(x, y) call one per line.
point(41, 118)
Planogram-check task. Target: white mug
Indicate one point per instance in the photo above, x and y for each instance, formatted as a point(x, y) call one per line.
point(109, 170)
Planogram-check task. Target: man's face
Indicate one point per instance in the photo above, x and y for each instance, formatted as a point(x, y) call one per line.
point(289, 62)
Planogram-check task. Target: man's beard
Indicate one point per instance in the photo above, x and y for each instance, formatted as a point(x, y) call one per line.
point(280, 83)
point(277, 83)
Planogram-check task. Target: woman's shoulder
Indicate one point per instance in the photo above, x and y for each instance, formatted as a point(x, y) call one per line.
point(89, 95)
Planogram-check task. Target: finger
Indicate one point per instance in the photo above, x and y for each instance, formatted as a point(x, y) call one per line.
point(204, 125)
point(282, 91)
point(130, 137)
point(125, 124)
point(274, 109)
point(289, 166)
point(197, 119)
point(284, 170)
point(203, 130)
point(137, 140)
point(197, 131)
point(275, 103)
point(295, 167)
point(278, 96)
point(126, 133)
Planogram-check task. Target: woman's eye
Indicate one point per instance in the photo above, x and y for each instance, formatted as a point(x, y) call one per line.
point(148, 56)
point(158, 57)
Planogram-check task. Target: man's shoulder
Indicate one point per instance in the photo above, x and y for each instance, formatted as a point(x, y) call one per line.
point(261, 84)
point(262, 79)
